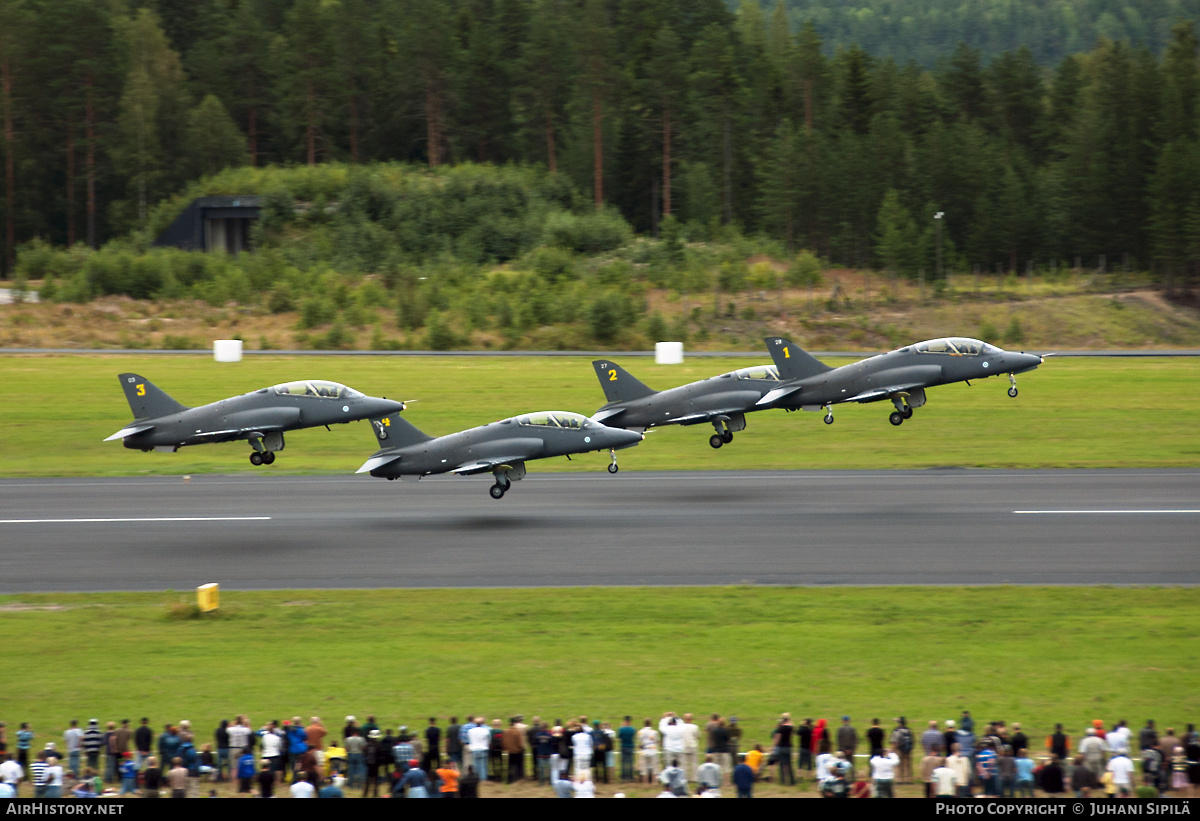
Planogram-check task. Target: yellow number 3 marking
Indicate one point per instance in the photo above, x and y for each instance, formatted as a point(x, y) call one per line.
point(612, 376)
point(141, 389)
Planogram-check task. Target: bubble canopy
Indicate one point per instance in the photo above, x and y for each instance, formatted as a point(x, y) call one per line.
point(955, 345)
point(316, 387)
point(555, 419)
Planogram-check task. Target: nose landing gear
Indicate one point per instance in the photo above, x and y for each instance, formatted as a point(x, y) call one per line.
point(1012, 383)
point(612, 466)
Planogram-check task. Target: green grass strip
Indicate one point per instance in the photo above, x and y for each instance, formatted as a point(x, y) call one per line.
point(1071, 413)
point(1035, 655)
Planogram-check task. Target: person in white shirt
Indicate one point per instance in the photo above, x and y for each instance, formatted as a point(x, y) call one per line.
point(709, 775)
point(1122, 769)
point(824, 764)
point(54, 778)
point(10, 771)
point(944, 779)
point(582, 746)
point(647, 742)
point(303, 789)
point(479, 740)
point(883, 773)
point(672, 733)
point(583, 787)
point(691, 748)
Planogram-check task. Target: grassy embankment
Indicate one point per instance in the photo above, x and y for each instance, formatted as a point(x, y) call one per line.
point(1035, 655)
point(1070, 413)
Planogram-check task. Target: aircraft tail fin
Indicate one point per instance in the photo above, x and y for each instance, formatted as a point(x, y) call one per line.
point(792, 361)
point(393, 432)
point(618, 384)
point(145, 399)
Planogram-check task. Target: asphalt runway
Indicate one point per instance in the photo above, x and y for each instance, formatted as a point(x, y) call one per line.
point(689, 528)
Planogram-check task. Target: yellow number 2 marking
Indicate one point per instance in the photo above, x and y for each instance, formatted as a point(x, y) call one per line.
point(141, 390)
point(612, 376)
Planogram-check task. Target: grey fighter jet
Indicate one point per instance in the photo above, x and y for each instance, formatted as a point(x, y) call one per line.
point(500, 448)
point(901, 375)
point(261, 416)
point(722, 401)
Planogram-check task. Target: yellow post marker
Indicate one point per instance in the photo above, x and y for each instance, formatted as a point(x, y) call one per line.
point(208, 597)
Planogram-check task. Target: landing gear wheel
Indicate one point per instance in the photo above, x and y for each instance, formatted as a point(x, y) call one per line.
point(613, 468)
point(829, 419)
point(716, 440)
point(497, 491)
point(504, 482)
point(727, 435)
point(268, 458)
point(256, 458)
point(907, 412)
point(1012, 391)
point(897, 418)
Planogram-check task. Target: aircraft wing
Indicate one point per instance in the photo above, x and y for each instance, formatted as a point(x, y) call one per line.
point(249, 432)
point(377, 461)
point(777, 394)
point(601, 415)
point(484, 466)
point(130, 430)
point(883, 393)
point(704, 416)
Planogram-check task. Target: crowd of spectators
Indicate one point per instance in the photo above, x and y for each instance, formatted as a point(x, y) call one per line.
point(672, 752)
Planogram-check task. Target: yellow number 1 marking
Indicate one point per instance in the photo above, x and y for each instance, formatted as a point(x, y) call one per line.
point(787, 354)
point(141, 390)
point(612, 376)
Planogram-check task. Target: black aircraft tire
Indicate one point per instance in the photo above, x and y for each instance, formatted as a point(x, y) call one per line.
point(256, 458)
point(727, 436)
point(505, 483)
point(829, 419)
point(897, 418)
point(907, 412)
point(716, 440)
point(268, 458)
point(1012, 392)
point(497, 491)
point(613, 468)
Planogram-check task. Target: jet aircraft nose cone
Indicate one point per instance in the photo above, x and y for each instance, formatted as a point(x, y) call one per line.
point(629, 437)
point(387, 406)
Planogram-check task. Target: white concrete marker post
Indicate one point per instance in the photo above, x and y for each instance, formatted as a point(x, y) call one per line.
point(668, 353)
point(227, 350)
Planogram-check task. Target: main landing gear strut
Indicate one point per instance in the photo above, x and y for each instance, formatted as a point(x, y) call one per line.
point(502, 485)
point(903, 411)
point(265, 447)
point(723, 436)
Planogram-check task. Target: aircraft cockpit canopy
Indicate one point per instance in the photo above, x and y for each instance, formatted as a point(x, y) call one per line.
point(758, 372)
point(554, 419)
point(316, 387)
point(955, 346)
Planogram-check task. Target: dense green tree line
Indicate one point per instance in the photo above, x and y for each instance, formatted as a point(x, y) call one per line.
point(926, 30)
point(658, 108)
